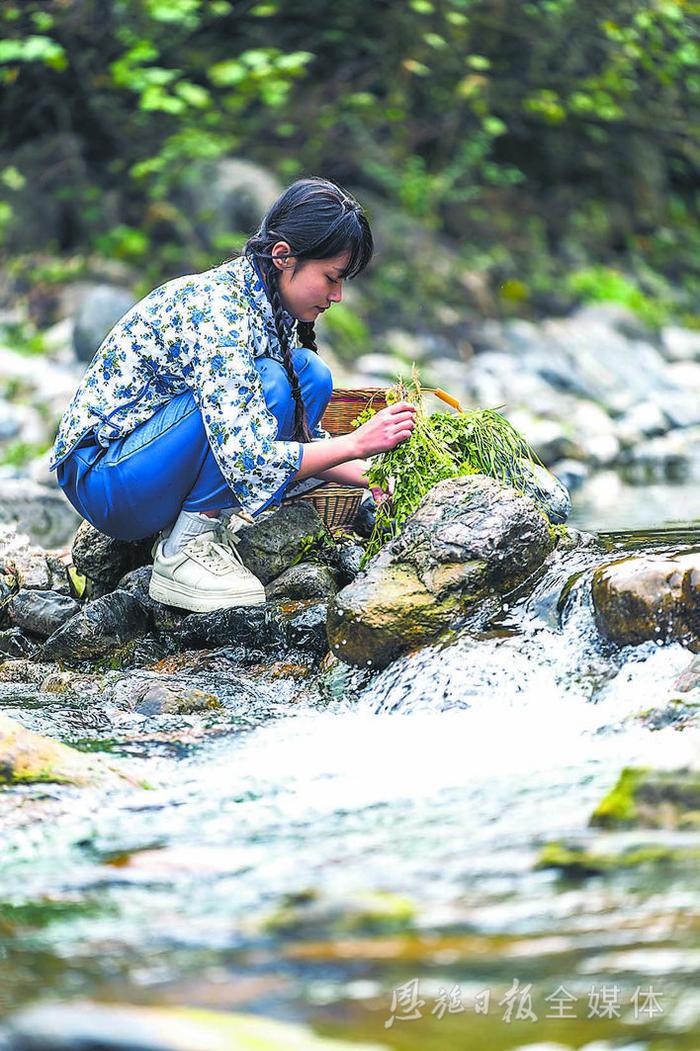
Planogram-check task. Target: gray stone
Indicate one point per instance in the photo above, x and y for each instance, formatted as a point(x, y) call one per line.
point(471, 540)
point(680, 344)
point(98, 628)
point(14, 643)
point(104, 560)
point(648, 597)
point(272, 545)
point(238, 626)
point(224, 197)
point(301, 629)
point(305, 581)
point(548, 490)
point(571, 473)
point(40, 512)
point(99, 312)
point(41, 612)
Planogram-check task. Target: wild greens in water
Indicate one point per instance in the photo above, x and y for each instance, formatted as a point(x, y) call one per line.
point(442, 445)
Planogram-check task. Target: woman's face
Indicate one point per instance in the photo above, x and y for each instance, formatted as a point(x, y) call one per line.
point(309, 287)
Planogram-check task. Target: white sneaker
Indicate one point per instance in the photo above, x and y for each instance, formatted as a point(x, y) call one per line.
point(204, 575)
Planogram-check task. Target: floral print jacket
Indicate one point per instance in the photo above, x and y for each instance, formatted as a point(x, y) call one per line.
point(200, 333)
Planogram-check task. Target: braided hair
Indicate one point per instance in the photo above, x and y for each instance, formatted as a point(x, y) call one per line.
point(318, 220)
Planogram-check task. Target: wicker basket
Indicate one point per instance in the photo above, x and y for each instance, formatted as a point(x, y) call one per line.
point(338, 504)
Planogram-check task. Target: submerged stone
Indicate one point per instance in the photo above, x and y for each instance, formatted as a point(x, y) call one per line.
point(124, 1027)
point(643, 798)
point(471, 540)
point(27, 758)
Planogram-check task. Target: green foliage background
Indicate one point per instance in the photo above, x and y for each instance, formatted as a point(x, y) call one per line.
point(553, 144)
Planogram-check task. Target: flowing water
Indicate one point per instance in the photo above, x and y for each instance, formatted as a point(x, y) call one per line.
point(360, 853)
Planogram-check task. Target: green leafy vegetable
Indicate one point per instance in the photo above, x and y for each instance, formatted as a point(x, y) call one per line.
point(443, 445)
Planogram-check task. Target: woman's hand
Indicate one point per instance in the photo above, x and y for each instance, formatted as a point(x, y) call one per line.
point(386, 429)
point(382, 495)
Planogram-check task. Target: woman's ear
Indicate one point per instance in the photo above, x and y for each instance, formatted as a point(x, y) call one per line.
point(282, 255)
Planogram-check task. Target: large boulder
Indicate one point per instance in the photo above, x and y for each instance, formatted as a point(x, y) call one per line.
point(641, 598)
point(222, 197)
point(471, 540)
point(100, 627)
point(280, 540)
point(41, 512)
point(101, 308)
point(104, 560)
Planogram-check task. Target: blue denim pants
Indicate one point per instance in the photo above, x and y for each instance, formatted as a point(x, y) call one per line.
point(138, 484)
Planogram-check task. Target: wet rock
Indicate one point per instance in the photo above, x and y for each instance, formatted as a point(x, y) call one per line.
point(21, 670)
point(166, 619)
point(14, 643)
point(641, 598)
point(314, 915)
point(576, 862)
point(39, 511)
point(98, 312)
point(60, 579)
point(150, 694)
point(471, 540)
point(364, 520)
point(103, 560)
point(299, 626)
point(643, 798)
point(689, 678)
point(29, 758)
point(544, 487)
point(98, 628)
point(41, 612)
point(21, 564)
point(86, 1026)
point(348, 562)
point(305, 581)
point(239, 626)
point(277, 542)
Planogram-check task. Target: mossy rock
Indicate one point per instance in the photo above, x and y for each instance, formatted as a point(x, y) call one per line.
point(369, 911)
point(28, 758)
point(644, 798)
point(577, 863)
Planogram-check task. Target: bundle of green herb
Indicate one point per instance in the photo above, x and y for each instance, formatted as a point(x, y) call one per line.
point(443, 445)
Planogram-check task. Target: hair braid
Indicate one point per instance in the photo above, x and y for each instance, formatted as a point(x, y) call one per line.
point(301, 425)
point(307, 335)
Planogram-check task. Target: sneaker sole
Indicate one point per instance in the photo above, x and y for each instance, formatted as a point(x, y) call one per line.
point(170, 593)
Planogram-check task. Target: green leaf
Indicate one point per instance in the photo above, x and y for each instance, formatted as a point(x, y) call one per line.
point(33, 49)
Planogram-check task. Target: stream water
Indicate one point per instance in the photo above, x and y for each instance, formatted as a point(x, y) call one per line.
point(360, 854)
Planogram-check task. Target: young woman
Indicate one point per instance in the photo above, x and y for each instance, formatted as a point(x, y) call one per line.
point(206, 398)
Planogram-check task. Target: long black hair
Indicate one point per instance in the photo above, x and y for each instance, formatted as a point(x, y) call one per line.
point(318, 220)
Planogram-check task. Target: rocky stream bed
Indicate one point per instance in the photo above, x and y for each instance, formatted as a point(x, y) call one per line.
point(450, 800)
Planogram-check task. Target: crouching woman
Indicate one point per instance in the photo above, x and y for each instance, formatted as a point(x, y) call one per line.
point(205, 400)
